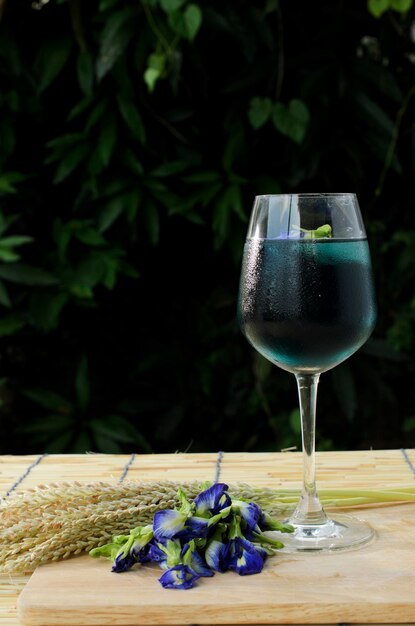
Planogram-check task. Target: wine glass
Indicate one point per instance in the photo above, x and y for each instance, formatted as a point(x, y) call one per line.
point(306, 303)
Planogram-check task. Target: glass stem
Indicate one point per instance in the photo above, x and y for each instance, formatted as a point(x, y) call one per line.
point(309, 509)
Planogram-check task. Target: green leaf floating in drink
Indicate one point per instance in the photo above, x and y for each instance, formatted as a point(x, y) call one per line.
point(317, 233)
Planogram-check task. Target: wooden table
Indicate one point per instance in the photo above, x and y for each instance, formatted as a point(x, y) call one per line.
point(359, 470)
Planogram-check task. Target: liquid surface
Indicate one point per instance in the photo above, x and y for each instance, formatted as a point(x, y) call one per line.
point(306, 305)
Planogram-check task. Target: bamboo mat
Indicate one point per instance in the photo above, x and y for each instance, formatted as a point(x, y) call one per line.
point(374, 469)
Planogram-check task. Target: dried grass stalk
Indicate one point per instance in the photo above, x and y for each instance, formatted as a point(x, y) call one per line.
point(55, 521)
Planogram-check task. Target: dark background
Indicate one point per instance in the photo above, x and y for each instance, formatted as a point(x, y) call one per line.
point(133, 138)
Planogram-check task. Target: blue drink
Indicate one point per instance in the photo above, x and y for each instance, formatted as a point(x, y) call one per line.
point(306, 305)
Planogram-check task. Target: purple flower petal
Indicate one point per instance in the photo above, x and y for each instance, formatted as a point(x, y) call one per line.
point(156, 554)
point(249, 511)
point(195, 561)
point(140, 552)
point(195, 528)
point(245, 557)
point(179, 577)
point(212, 500)
point(217, 555)
point(123, 562)
point(168, 523)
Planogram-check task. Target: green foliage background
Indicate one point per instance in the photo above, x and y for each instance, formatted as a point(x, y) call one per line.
point(133, 137)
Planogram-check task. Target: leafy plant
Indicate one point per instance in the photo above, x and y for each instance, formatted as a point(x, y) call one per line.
point(134, 137)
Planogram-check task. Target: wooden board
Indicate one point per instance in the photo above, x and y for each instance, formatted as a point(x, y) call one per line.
point(375, 584)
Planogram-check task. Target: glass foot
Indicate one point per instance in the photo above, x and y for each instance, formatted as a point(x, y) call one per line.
point(342, 532)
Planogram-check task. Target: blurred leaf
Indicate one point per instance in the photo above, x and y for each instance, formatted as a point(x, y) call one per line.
point(132, 118)
point(8, 140)
point(82, 444)
point(260, 110)
point(8, 256)
point(378, 7)
point(8, 181)
point(151, 76)
point(402, 6)
point(345, 388)
point(193, 20)
point(206, 176)
point(152, 221)
point(374, 114)
point(114, 428)
point(233, 148)
point(106, 444)
point(110, 213)
point(4, 296)
point(118, 429)
point(49, 400)
point(45, 309)
point(105, 5)
point(86, 72)
point(70, 162)
point(79, 108)
point(82, 291)
point(155, 69)
point(132, 163)
point(10, 325)
point(170, 169)
point(51, 58)
point(15, 240)
point(186, 23)
point(262, 368)
point(381, 349)
point(6, 221)
point(382, 79)
point(88, 274)
point(27, 275)
point(90, 237)
point(59, 445)
point(295, 421)
point(132, 202)
point(236, 201)
point(291, 120)
point(65, 141)
point(114, 38)
point(96, 114)
point(43, 428)
point(62, 234)
point(171, 5)
point(107, 139)
point(409, 424)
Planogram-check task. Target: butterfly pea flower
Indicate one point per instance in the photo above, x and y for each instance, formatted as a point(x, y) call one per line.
point(110, 550)
point(245, 557)
point(210, 534)
point(193, 559)
point(166, 553)
point(157, 554)
point(126, 550)
point(212, 500)
point(217, 550)
point(123, 562)
point(168, 523)
point(179, 577)
point(249, 512)
point(172, 524)
point(134, 550)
